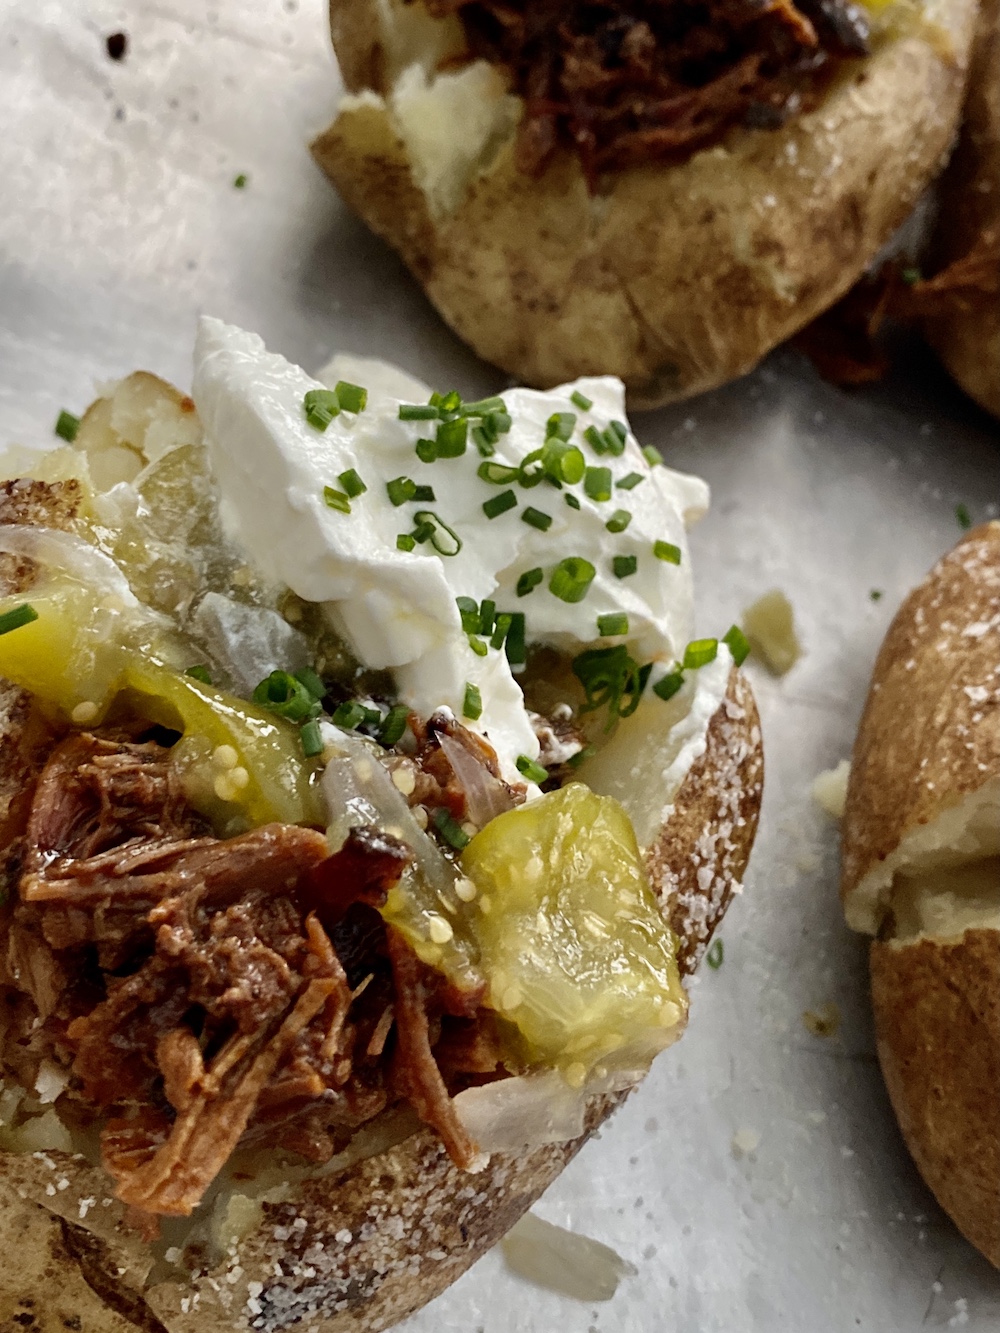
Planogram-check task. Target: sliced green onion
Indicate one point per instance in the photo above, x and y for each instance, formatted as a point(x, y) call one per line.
point(619, 521)
point(578, 400)
point(595, 439)
point(487, 616)
point(481, 439)
point(624, 565)
point(737, 643)
point(535, 518)
point(572, 501)
point(417, 412)
point(562, 462)
point(525, 475)
point(500, 422)
point(472, 705)
point(400, 489)
point(311, 680)
point(393, 725)
point(405, 542)
point(963, 516)
point(667, 686)
point(352, 483)
point(321, 406)
point(477, 646)
point(468, 609)
point(588, 752)
point(426, 451)
point(199, 672)
point(571, 579)
point(629, 481)
point(597, 483)
point(715, 955)
point(281, 693)
point(615, 622)
point(336, 500)
point(450, 829)
point(700, 652)
point(504, 622)
point(560, 425)
point(67, 426)
point(351, 397)
point(497, 474)
point(531, 770)
point(652, 455)
point(667, 551)
point(528, 581)
point(482, 407)
point(515, 645)
point(312, 739)
point(499, 504)
point(451, 438)
point(612, 677)
point(444, 539)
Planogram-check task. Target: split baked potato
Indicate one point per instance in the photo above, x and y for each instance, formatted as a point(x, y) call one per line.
point(675, 275)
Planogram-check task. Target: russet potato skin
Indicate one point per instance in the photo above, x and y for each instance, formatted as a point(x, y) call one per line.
point(675, 278)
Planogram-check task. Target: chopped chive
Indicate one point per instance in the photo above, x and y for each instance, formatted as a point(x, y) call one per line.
point(482, 407)
point(876, 594)
point(963, 516)
point(911, 276)
point(425, 493)
point(560, 425)
point(614, 443)
point(447, 402)
point(311, 680)
point(393, 725)
point(588, 752)
point(571, 579)
point(401, 489)
point(450, 829)
point(700, 652)
point(535, 518)
point(417, 412)
point(500, 422)
point(515, 644)
point(336, 500)
point(528, 581)
point(199, 672)
point(620, 429)
point(504, 622)
point(562, 462)
point(444, 539)
point(499, 504)
point(426, 451)
point(652, 455)
point(487, 616)
point(312, 739)
point(281, 693)
point(351, 397)
point(597, 483)
point(531, 770)
point(472, 705)
point(595, 439)
point(482, 441)
point(423, 532)
point(715, 955)
point(611, 677)
point(525, 475)
point(619, 521)
point(405, 542)
point(667, 551)
point(578, 400)
point(615, 622)
point(468, 609)
point(350, 715)
point(352, 483)
point(240, 181)
point(629, 481)
point(737, 643)
point(451, 438)
point(497, 474)
point(477, 646)
point(572, 501)
point(320, 407)
point(67, 426)
point(624, 565)
point(667, 686)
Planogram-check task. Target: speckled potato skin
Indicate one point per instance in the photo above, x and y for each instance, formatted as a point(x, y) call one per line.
point(968, 342)
point(676, 278)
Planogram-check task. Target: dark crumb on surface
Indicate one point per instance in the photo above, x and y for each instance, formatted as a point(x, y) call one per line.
point(241, 181)
point(117, 45)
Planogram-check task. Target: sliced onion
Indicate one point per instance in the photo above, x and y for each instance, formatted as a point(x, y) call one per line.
point(68, 554)
point(485, 796)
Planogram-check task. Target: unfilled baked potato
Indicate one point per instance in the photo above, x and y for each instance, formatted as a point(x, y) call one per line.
point(921, 872)
point(674, 277)
point(391, 1221)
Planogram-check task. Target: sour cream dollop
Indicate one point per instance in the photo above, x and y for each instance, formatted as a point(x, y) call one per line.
point(397, 609)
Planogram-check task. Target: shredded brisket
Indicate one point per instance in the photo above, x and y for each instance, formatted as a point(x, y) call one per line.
point(629, 81)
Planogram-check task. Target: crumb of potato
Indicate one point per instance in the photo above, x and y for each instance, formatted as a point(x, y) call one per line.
point(822, 1022)
point(769, 624)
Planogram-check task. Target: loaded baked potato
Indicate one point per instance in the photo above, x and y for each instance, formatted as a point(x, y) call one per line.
point(339, 912)
point(653, 191)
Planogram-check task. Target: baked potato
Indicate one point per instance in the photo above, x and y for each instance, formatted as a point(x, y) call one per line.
point(278, 1239)
point(921, 873)
point(675, 268)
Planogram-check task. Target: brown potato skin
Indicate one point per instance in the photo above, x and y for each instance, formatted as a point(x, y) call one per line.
point(675, 278)
point(968, 341)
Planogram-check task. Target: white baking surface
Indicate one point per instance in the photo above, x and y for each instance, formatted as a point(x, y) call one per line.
point(119, 223)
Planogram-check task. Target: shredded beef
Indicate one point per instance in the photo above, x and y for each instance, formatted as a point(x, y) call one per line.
point(629, 81)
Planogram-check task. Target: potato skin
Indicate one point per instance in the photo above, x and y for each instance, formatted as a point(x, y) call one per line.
point(678, 278)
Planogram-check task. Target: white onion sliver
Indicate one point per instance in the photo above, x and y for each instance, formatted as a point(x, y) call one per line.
point(69, 554)
point(485, 796)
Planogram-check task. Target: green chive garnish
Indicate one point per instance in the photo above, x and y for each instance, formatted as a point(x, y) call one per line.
point(67, 426)
point(876, 594)
point(562, 462)
point(588, 752)
point(405, 542)
point(312, 739)
point(571, 579)
point(578, 400)
point(737, 643)
point(528, 581)
point(611, 677)
point(482, 407)
point(451, 438)
point(504, 622)
point(614, 438)
point(597, 483)
point(393, 725)
point(336, 500)
point(320, 407)
point(450, 829)
point(425, 493)
point(715, 955)
point(572, 501)
point(963, 516)
point(531, 770)
point(401, 489)
point(700, 652)
point(417, 412)
point(499, 504)
point(240, 181)
point(487, 616)
point(619, 521)
point(595, 439)
point(472, 706)
point(515, 644)
point(350, 715)
point(448, 403)
point(535, 460)
point(352, 483)
point(911, 276)
point(351, 397)
point(615, 622)
point(481, 439)
point(477, 646)
point(497, 474)
point(652, 455)
point(560, 425)
point(667, 551)
point(199, 672)
point(629, 481)
point(426, 451)
point(281, 693)
point(468, 609)
point(536, 519)
point(423, 532)
point(624, 565)
point(444, 539)
point(500, 422)
point(311, 680)
point(667, 686)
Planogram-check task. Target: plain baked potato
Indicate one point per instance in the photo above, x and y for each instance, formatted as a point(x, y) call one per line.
point(391, 1221)
point(921, 872)
point(675, 278)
